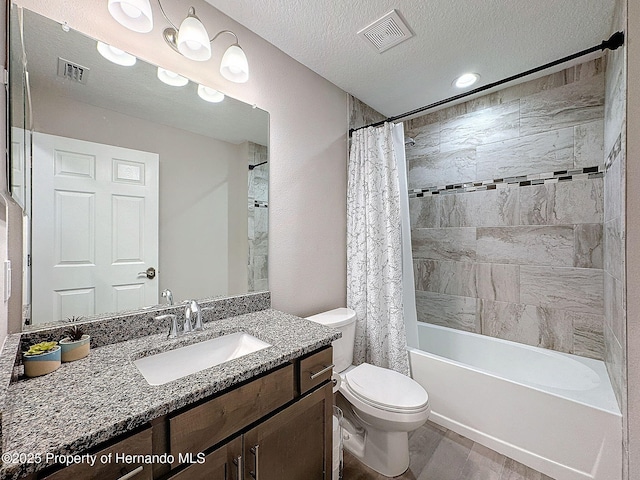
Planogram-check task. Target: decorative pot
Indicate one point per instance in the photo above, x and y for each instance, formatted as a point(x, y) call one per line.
point(36, 365)
point(74, 350)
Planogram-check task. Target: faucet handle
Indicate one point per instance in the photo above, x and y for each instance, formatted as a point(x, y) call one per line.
point(196, 308)
point(174, 330)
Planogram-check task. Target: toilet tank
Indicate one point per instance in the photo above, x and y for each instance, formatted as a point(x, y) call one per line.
point(343, 319)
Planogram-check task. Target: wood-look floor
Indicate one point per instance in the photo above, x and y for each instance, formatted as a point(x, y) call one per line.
point(440, 454)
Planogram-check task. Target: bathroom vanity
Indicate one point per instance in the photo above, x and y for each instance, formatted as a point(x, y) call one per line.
point(265, 415)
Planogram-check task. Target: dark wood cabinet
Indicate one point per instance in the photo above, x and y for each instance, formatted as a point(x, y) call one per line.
point(275, 427)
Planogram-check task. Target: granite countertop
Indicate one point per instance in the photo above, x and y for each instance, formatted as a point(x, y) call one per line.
point(90, 401)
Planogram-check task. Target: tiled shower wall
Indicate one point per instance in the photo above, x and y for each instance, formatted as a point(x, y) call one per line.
point(507, 212)
point(258, 218)
point(615, 337)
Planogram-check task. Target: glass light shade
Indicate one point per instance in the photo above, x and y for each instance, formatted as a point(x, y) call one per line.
point(193, 39)
point(116, 55)
point(210, 94)
point(234, 65)
point(135, 15)
point(466, 80)
point(171, 78)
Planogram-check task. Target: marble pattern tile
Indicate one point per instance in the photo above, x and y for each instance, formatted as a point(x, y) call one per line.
point(517, 471)
point(578, 290)
point(615, 307)
point(451, 278)
point(614, 359)
point(535, 245)
point(588, 144)
point(588, 245)
point(563, 203)
point(537, 326)
point(449, 458)
point(613, 190)
point(588, 336)
point(483, 208)
point(498, 282)
point(447, 311)
point(457, 244)
point(615, 97)
point(361, 114)
point(484, 126)
point(442, 169)
point(614, 248)
point(578, 102)
point(542, 152)
point(427, 138)
point(424, 212)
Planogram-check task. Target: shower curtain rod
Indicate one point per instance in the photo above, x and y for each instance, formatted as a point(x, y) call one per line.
point(616, 40)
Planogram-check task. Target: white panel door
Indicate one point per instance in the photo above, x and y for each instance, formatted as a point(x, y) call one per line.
point(94, 228)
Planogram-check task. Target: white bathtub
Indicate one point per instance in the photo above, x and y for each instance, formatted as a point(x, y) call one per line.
point(554, 412)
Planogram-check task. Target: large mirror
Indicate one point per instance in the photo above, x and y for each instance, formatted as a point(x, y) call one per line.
point(130, 186)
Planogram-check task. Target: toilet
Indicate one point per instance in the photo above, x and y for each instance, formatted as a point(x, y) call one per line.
point(380, 406)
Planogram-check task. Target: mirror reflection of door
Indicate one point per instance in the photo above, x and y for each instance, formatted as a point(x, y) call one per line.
point(94, 228)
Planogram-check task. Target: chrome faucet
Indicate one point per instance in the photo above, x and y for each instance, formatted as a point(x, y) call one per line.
point(166, 293)
point(191, 323)
point(174, 328)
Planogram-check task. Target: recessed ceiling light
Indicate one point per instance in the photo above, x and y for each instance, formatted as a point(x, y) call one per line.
point(116, 55)
point(466, 80)
point(209, 94)
point(171, 78)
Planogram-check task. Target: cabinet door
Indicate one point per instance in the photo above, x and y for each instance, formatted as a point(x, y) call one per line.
point(224, 463)
point(295, 444)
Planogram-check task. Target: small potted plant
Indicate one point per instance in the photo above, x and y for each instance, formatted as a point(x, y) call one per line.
point(41, 358)
point(75, 344)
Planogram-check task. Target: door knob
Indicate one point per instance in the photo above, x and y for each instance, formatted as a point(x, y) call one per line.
point(150, 273)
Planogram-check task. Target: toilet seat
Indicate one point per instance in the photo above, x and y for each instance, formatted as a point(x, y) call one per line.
point(386, 389)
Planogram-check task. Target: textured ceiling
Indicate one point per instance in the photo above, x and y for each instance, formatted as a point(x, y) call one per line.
point(133, 91)
point(495, 38)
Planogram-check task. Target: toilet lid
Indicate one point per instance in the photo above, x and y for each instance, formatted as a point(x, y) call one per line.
point(386, 389)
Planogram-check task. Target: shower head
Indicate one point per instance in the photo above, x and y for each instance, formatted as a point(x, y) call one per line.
point(409, 142)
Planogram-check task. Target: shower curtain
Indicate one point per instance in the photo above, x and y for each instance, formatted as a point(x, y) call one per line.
point(375, 247)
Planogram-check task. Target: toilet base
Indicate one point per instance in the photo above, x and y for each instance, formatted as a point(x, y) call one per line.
point(385, 452)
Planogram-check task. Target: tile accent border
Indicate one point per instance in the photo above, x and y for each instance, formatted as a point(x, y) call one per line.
point(613, 154)
point(260, 204)
point(522, 181)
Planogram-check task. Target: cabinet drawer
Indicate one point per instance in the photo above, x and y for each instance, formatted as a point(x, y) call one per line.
point(311, 368)
point(217, 465)
point(138, 444)
point(205, 425)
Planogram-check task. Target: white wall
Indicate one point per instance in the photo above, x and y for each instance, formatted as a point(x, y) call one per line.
point(307, 209)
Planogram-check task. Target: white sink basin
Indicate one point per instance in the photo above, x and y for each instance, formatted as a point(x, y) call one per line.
point(167, 366)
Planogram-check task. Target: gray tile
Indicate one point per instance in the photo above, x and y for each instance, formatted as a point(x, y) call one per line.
point(615, 307)
point(614, 359)
point(589, 144)
point(457, 244)
point(427, 138)
point(588, 245)
point(424, 212)
point(447, 311)
point(543, 152)
point(537, 326)
point(578, 290)
point(498, 282)
point(563, 203)
point(422, 443)
point(517, 471)
point(484, 126)
point(483, 464)
point(535, 245)
point(452, 278)
point(616, 95)
point(483, 208)
point(567, 106)
point(614, 248)
point(442, 168)
point(613, 190)
point(588, 336)
point(449, 458)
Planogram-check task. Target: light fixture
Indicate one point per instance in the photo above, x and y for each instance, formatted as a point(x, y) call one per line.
point(171, 78)
point(210, 94)
point(116, 55)
point(190, 39)
point(466, 80)
point(134, 14)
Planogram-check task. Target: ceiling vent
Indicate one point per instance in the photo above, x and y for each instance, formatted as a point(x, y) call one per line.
point(386, 32)
point(72, 71)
